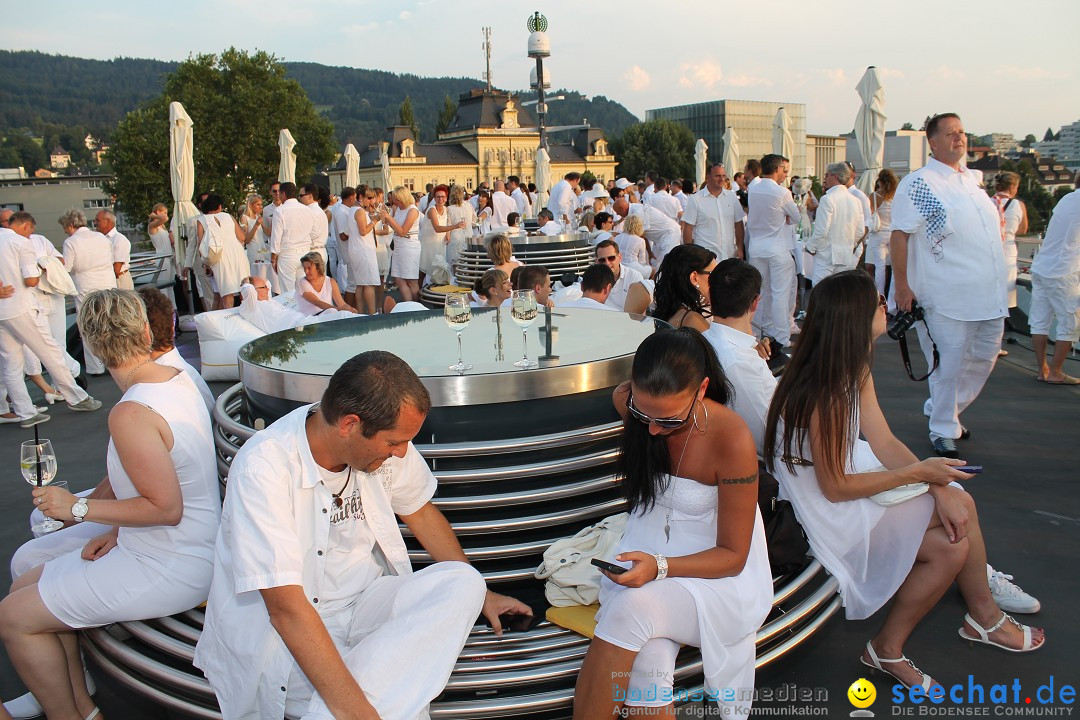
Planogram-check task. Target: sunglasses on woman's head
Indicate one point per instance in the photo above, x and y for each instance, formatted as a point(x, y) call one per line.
point(665, 423)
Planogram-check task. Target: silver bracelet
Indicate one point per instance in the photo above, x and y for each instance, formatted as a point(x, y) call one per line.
point(661, 566)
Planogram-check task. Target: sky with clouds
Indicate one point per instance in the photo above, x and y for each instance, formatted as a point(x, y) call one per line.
point(1004, 66)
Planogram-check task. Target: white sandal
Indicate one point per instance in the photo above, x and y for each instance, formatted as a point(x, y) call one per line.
point(875, 663)
point(93, 714)
point(984, 633)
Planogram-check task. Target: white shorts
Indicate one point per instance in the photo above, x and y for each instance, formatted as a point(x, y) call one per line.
point(1056, 297)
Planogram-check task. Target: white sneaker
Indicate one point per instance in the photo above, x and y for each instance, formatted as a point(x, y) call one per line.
point(1008, 596)
point(26, 706)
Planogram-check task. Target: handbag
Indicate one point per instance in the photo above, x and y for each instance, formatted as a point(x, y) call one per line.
point(900, 494)
point(571, 578)
point(211, 251)
point(784, 535)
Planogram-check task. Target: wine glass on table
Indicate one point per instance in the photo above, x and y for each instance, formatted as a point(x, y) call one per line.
point(37, 460)
point(458, 314)
point(523, 312)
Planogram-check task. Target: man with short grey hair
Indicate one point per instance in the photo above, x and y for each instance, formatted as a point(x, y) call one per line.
point(105, 222)
point(838, 228)
point(546, 223)
point(88, 256)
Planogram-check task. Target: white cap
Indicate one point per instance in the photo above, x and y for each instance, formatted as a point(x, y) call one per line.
point(623, 183)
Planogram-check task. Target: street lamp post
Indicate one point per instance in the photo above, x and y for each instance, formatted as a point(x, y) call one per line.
point(539, 48)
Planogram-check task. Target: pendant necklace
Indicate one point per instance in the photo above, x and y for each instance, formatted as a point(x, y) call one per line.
point(338, 502)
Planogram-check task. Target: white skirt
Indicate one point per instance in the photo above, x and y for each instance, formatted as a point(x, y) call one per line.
point(363, 262)
point(406, 258)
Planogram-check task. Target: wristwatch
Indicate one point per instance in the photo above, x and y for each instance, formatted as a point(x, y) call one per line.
point(79, 510)
point(661, 566)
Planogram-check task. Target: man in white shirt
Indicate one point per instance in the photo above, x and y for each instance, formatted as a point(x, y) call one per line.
point(21, 324)
point(663, 201)
point(88, 256)
point(340, 213)
point(270, 208)
point(735, 289)
point(538, 279)
point(607, 253)
point(1055, 290)
point(772, 212)
point(596, 283)
point(947, 255)
point(314, 608)
point(563, 200)
point(501, 205)
point(864, 201)
point(714, 219)
point(650, 187)
point(311, 197)
point(662, 232)
point(839, 226)
point(105, 222)
point(513, 184)
point(546, 223)
point(678, 194)
point(292, 236)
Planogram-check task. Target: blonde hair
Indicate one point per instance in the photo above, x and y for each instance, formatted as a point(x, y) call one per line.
point(457, 195)
point(500, 250)
point(588, 220)
point(250, 199)
point(159, 206)
point(493, 278)
point(633, 225)
point(316, 259)
point(113, 323)
point(403, 196)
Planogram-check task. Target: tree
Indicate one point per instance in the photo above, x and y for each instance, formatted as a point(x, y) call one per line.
point(660, 145)
point(21, 151)
point(406, 118)
point(1038, 201)
point(238, 104)
point(1048, 135)
point(446, 115)
point(1028, 140)
point(907, 126)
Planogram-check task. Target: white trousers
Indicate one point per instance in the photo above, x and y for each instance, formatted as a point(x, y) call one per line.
point(400, 640)
point(773, 315)
point(288, 269)
point(25, 330)
point(968, 351)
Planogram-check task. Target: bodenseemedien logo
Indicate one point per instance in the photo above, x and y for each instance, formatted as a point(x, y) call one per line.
point(862, 694)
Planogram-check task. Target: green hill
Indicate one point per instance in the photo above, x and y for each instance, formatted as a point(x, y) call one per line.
point(39, 92)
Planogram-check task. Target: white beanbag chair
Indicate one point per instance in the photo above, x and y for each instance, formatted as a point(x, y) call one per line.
point(221, 335)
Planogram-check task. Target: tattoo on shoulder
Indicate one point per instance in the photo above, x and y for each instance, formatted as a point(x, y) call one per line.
point(740, 481)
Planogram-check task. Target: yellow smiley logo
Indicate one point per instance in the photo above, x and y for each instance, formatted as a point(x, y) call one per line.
point(862, 693)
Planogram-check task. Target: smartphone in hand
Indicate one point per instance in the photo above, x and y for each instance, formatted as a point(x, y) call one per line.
point(610, 567)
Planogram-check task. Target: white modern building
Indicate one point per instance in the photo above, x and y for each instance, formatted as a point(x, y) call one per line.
point(752, 122)
point(821, 150)
point(905, 151)
point(1065, 149)
point(49, 198)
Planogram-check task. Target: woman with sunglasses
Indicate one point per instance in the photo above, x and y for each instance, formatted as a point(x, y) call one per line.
point(682, 287)
point(910, 547)
point(694, 542)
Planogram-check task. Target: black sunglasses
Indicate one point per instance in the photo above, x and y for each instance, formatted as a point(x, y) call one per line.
point(664, 423)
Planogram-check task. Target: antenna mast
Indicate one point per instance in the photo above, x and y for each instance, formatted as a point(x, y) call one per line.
point(487, 57)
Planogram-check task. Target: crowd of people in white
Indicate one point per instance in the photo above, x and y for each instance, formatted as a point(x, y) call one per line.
point(305, 567)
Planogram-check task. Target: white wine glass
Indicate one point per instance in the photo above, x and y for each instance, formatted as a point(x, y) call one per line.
point(458, 314)
point(37, 461)
point(523, 312)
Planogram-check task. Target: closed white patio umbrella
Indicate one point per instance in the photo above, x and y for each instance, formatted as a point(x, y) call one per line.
point(384, 168)
point(731, 152)
point(870, 128)
point(287, 167)
point(543, 179)
point(782, 143)
point(181, 176)
point(352, 166)
point(701, 161)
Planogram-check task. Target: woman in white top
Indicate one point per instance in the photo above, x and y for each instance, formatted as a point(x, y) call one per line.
point(363, 253)
point(256, 243)
point(435, 233)
point(698, 568)
point(878, 263)
point(501, 254)
point(484, 212)
point(157, 227)
point(161, 317)
point(604, 224)
point(461, 217)
point(315, 292)
point(221, 242)
point(491, 289)
point(632, 244)
point(905, 546)
point(158, 509)
point(1014, 221)
point(405, 259)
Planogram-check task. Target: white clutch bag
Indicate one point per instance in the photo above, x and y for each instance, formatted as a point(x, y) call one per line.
point(900, 494)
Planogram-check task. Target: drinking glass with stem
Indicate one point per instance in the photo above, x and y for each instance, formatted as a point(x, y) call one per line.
point(458, 314)
point(37, 461)
point(523, 312)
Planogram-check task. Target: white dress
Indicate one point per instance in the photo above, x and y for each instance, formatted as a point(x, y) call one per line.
point(868, 548)
point(405, 259)
point(218, 231)
point(363, 257)
point(307, 307)
point(160, 240)
point(729, 610)
point(459, 239)
point(432, 243)
point(158, 570)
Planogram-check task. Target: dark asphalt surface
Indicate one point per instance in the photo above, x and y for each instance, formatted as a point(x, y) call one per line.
point(1026, 434)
